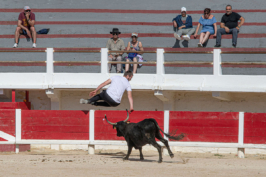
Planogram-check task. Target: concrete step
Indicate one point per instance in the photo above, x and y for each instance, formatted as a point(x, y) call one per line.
point(136, 4)
point(125, 17)
point(105, 29)
point(147, 42)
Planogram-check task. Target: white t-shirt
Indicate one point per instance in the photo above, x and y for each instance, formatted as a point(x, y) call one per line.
point(117, 87)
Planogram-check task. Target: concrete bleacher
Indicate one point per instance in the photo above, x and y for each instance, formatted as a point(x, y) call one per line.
point(71, 29)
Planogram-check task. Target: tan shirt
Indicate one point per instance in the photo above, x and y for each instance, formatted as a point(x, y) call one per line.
point(119, 45)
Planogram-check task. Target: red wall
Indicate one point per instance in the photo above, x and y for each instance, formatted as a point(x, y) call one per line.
point(206, 126)
point(15, 105)
point(255, 128)
point(105, 131)
point(7, 121)
point(54, 124)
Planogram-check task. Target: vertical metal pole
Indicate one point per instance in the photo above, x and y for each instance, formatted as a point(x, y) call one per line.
point(241, 151)
point(217, 58)
point(91, 146)
point(49, 66)
point(104, 60)
point(18, 129)
point(13, 95)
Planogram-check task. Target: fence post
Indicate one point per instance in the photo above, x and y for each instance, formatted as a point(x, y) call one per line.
point(241, 151)
point(104, 60)
point(91, 146)
point(217, 58)
point(49, 65)
point(159, 68)
point(18, 129)
point(166, 129)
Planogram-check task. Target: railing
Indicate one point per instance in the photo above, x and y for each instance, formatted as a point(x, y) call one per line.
point(158, 81)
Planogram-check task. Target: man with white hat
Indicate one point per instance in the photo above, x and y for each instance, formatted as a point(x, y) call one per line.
point(26, 22)
point(184, 25)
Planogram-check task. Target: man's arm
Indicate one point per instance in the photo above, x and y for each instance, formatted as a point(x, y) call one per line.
point(223, 26)
point(130, 99)
point(31, 22)
point(21, 26)
point(107, 82)
point(242, 21)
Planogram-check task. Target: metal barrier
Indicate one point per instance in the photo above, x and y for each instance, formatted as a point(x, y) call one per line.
point(34, 137)
point(168, 64)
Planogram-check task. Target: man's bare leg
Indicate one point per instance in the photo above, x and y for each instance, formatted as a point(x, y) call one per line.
point(17, 34)
point(34, 35)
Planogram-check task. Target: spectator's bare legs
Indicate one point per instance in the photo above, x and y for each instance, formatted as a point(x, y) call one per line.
point(206, 37)
point(17, 34)
point(118, 66)
point(127, 65)
point(202, 35)
point(34, 35)
point(110, 58)
point(135, 66)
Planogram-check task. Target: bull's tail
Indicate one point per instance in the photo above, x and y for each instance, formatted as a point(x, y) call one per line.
point(172, 136)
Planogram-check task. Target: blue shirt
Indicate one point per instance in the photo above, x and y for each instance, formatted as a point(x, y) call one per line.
point(207, 24)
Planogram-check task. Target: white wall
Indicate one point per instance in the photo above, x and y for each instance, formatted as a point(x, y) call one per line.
point(145, 100)
point(203, 101)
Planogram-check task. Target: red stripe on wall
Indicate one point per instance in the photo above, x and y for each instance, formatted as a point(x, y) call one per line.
point(129, 11)
point(15, 105)
point(254, 128)
point(105, 131)
point(205, 126)
point(54, 124)
point(116, 23)
point(127, 35)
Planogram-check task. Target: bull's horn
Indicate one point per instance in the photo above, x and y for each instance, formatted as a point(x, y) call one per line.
point(109, 121)
point(127, 116)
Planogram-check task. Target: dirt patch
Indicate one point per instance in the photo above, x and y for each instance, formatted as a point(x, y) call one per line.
point(110, 163)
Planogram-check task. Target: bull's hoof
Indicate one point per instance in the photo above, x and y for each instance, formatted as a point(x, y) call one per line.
point(160, 161)
point(125, 158)
point(142, 158)
point(172, 155)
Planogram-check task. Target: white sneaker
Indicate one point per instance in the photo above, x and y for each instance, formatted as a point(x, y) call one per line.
point(186, 37)
point(34, 45)
point(15, 45)
point(177, 36)
point(200, 45)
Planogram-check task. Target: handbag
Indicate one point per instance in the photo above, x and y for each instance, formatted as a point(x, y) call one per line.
point(44, 31)
point(132, 55)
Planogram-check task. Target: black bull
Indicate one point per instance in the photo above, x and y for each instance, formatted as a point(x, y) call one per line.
point(142, 133)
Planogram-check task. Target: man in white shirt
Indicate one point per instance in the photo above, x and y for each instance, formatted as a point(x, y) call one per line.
point(113, 95)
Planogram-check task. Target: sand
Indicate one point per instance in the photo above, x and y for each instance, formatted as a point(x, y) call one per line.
point(110, 163)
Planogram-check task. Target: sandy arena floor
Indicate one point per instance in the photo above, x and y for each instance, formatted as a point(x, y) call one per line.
point(108, 163)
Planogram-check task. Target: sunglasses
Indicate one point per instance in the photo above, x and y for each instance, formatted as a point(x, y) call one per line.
point(206, 13)
point(134, 37)
point(27, 10)
point(115, 33)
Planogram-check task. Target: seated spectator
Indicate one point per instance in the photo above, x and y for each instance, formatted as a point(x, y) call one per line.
point(208, 23)
point(229, 25)
point(184, 24)
point(26, 22)
point(115, 44)
point(134, 45)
